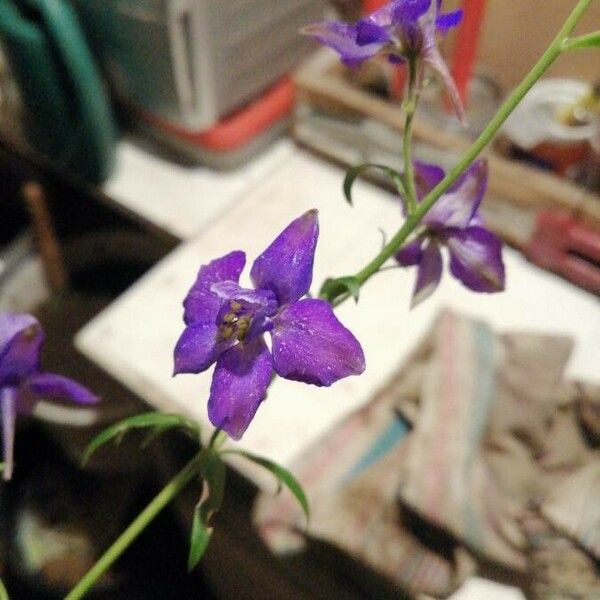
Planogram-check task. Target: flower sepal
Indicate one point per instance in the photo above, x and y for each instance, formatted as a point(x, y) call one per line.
point(213, 472)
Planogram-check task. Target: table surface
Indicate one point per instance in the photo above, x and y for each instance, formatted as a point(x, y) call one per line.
point(133, 338)
point(184, 199)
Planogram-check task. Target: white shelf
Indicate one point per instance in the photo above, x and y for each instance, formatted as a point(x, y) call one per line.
point(133, 339)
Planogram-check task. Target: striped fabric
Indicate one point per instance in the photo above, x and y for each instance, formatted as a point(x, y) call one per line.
point(473, 431)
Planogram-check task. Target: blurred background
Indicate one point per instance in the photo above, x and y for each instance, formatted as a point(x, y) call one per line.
point(136, 137)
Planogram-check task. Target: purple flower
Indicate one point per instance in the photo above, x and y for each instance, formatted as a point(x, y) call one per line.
point(22, 384)
point(225, 324)
point(454, 221)
point(401, 30)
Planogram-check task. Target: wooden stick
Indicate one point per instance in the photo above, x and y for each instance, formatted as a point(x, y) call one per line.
point(45, 236)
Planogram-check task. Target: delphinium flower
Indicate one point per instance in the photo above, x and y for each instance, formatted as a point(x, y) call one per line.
point(225, 324)
point(454, 222)
point(401, 30)
point(22, 384)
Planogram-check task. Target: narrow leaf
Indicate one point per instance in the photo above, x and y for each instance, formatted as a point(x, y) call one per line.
point(157, 420)
point(200, 538)
point(213, 490)
point(354, 172)
point(332, 288)
point(283, 476)
point(214, 474)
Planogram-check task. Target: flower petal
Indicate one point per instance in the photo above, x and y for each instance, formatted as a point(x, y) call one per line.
point(406, 12)
point(196, 348)
point(8, 406)
point(476, 259)
point(341, 37)
point(410, 254)
point(429, 273)
point(433, 58)
point(49, 386)
point(368, 32)
point(239, 385)
point(447, 21)
point(199, 304)
point(458, 206)
point(427, 176)
point(21, 339)
point(311, 345)
point(285, 267)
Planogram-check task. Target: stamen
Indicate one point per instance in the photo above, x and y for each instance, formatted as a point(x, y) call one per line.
point(226, 332)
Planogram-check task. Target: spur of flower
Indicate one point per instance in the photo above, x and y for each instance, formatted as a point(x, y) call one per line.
point(22, 383)
point(454, 222)
point(226, 323)
point(401, 30)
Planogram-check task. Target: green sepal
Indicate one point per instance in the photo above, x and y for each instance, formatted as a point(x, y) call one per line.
point(589, 40)
point(332, 288)
point(354, 172)
point(213, 473)
point(159, 422)
point(283, 476)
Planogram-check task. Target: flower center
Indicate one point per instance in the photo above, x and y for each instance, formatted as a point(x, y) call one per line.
point(235, 323)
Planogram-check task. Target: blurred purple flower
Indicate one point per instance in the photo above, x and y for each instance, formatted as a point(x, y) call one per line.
point(454, 221)
point(400, 30)
point(22, 384)
point(225, 324)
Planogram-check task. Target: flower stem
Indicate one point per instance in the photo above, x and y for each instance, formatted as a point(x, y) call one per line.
point(410, 107)
point(415, 217)
point(160, 501)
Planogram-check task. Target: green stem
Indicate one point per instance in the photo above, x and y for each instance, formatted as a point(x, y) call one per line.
point(414, 218)
point(160, 501)
point(410, 108)
point(3, 592)
point(216, 434)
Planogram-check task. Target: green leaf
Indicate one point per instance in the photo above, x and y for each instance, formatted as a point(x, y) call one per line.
point(354, 172)
point(590, 40)
point(156, 420)
point(332, 288)
point(282, 475)
point(213, 473)
point(200, 538)
point(3, 592)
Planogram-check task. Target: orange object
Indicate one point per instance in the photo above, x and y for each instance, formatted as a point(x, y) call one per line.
point(465, 51)
point(368, 6)
point(561, 156)
point(563, 244)
point(232, 132)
